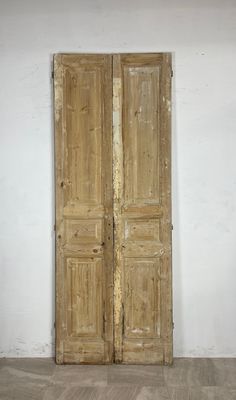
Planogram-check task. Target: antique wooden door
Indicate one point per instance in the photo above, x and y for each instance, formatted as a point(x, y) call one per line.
point(142, 207)
point(84, 217)
point(123, 312)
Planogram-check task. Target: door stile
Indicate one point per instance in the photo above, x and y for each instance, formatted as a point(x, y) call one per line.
point(117, 204)
point(166, 228)
point(59, 146)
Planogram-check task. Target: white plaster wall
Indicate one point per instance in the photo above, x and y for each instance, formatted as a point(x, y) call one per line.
point(202, 36)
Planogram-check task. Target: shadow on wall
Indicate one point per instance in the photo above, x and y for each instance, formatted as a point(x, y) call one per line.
point(53, 209)
point(178, 332)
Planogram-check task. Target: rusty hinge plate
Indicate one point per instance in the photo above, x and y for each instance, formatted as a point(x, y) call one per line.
point(123, 319)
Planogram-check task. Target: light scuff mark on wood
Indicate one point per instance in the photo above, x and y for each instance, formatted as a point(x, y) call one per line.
point(168, 102)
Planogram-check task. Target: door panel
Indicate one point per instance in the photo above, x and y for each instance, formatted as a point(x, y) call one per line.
point(142, 207)
point(140, 124)
point(142, 281)
point(83, 278)
point(84, 218)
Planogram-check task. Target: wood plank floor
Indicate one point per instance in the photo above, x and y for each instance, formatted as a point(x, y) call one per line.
point(187, 379)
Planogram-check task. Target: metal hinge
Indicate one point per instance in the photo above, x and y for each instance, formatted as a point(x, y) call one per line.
point(52, 74)
point(104, 318)
point(172, 73)
point(123, 319)
point(172, 227)
point(104, 323)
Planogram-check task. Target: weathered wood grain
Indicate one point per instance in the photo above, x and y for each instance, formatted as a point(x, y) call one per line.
point(142, 208)
point(118, 195)
point(84, 215)
point(135, 299)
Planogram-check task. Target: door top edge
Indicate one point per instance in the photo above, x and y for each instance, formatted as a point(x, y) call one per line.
point(112, 54)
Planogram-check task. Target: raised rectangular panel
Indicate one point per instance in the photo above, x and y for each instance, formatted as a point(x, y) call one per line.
point(83, 351)
point(83, 231)
point(83, 127)
point(141, 114)
point(143, 210)
point(140, 230)
point(142, 298)
point(143, 349)
point(84, 297)
point(141, 249)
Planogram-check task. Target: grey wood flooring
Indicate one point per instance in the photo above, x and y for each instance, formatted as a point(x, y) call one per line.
point(187, 379)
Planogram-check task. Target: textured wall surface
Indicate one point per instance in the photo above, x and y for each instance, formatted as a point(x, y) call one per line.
point(202, 36)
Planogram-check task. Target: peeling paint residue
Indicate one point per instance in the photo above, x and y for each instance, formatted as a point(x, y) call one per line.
point(58, 89)
point(117, 187)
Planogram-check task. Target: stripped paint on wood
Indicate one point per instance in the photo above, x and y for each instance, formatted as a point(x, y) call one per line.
point(118, 197)
point(142, 205)
point(84, 215)
point(105, 314)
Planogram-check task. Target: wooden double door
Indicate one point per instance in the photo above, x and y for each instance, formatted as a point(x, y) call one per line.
point(113, 208)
